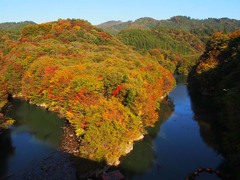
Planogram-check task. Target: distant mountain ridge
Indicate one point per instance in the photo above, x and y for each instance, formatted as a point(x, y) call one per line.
point(109, 23)
point(182, 22)
point(176, 43)
point(9, 26)
point(145, 23)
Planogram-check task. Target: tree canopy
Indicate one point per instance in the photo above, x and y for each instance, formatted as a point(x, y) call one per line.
point(108, 92)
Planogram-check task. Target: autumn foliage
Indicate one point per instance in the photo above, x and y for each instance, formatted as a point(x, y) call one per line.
point(108, 92)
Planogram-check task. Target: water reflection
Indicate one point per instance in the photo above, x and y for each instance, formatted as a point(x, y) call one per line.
point(143, 156)
point(35, 133)
point(205, 113)
point(178, 146)
point(220, 131)
point(41, 124)
point(6, 150)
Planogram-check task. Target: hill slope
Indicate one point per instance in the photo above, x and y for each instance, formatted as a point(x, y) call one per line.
point(103, 88)
point(218, 69)
point(176, 43)
point(203, 28)
point(176, 50)
point(109, 23)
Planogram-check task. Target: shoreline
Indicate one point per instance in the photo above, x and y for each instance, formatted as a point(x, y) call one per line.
point(72, 137)
point(85, 168)
point(67, 157)
point(71, 144)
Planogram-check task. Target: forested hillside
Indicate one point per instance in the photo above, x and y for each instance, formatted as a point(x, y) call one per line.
point(176, 43)
point(218, 75)
point(174, 49)
point(204, 28)
point(10, 32)
point(217, 72)
point(108, 92)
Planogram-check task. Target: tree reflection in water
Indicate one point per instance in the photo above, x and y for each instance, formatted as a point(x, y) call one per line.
point(6, 150)
point(143, 152)
point(220, 131)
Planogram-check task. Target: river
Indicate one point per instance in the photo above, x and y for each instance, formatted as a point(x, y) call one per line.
point(177, 146)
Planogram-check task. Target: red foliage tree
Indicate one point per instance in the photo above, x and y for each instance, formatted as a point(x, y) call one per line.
point(118, 88)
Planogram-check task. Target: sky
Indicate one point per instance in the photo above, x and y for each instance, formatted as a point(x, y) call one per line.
point(99, 11)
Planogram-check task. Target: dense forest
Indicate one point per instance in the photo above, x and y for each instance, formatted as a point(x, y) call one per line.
point(103, 88)
point(176, 43)
point(217, 75)
point(176, 50)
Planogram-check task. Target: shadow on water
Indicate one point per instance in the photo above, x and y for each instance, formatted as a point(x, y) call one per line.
point(205, 114)
point(60, 165)
point(143, 156)
point(218, 132)
point(35, 133)
point(6, 150)
point(43, 125)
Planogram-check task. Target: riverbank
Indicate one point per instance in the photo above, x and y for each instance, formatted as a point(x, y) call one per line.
point(84, 168)
point(68, 152)
point(55, 165)
point(69, 136)
point(5, 122)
